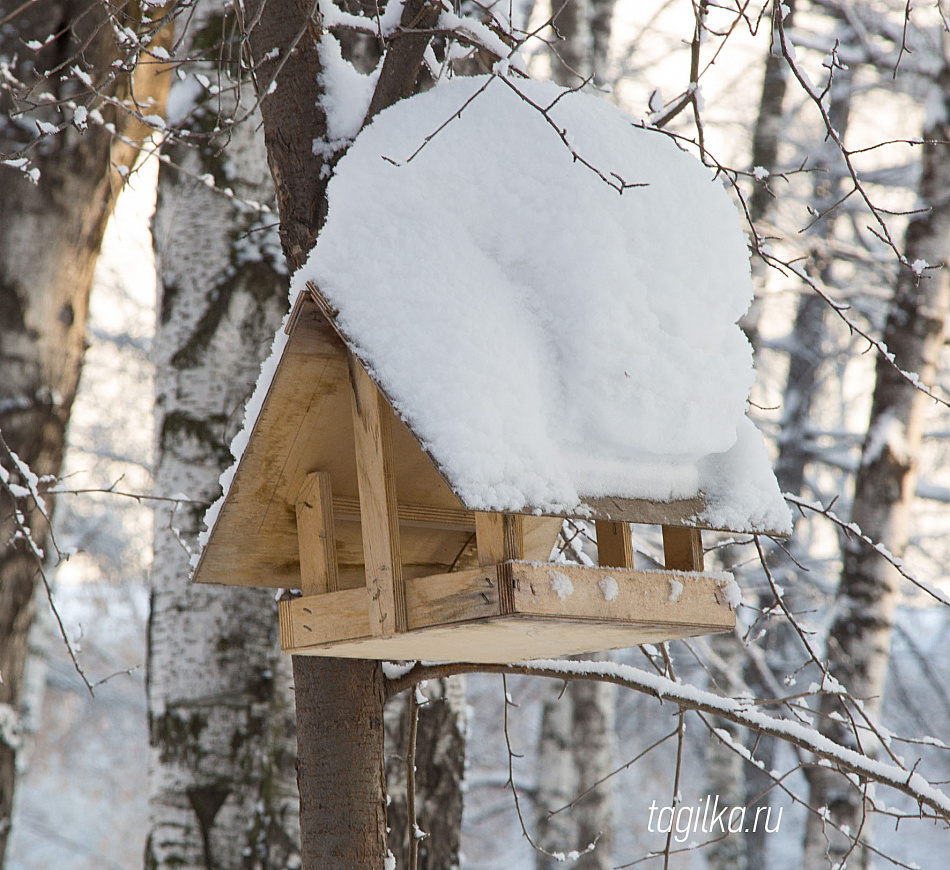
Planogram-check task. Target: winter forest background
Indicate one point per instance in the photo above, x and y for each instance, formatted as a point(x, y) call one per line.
point(815, 113)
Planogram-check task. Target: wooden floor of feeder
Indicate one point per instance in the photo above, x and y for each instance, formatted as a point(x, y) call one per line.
point(511, 612)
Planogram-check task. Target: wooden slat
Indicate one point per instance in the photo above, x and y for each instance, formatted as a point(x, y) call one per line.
point(316, 537)
point(614, 594)
point(448, 598)
point(490, 539)
point(682, 549)
point(419, 515)
point(614, 545)
point(500, 537)
point(438, 600)
point(322, 619)
point(379, 518)
point(502, 640)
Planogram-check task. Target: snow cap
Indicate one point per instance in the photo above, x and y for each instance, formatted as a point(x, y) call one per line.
point(546, 337)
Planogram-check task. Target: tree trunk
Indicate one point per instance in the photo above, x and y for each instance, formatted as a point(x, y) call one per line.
point(440, 770)
point(44, 299)
point(557, 778)
point(221, 788)
point(340, 722)
point(766, 138)
point(859, 640)
point(601, 29)
point(593, 726)
point(342, 791)
point(571, 52)
point(575, 752)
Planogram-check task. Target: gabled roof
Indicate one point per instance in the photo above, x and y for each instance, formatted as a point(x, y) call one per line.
point(549, 346)
point(554, 343)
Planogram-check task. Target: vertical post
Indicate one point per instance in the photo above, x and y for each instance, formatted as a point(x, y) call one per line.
point(614, 545)
point(499, 537)
point(315, 536)
point(683, 549)
point(379, 518)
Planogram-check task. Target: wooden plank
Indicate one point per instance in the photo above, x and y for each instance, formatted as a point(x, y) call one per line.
point(500, 537)
point(490, 538)
point(682, 549)
point(455, 617)
point(614, 545)
point(423, 516)
point(316, 537)
point(503, 640)
point(345, 615)
point(614, 594)
point(322, 619)
point(448, 598)
point(379, 518)
point(540, 536)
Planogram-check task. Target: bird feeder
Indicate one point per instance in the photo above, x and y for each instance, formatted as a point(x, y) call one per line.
point(336, 497)
point(504, 342)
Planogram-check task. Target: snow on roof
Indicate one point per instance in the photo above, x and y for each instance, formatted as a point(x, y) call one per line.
point(546, 337)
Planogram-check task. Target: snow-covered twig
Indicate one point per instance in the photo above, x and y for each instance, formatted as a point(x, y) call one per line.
point(737, 710)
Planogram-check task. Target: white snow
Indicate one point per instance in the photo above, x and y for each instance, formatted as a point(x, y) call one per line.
point(731, 591)
point(346, 95)
point(610, 588)
point(676, 589)
point(562, 585)
point(547, 338)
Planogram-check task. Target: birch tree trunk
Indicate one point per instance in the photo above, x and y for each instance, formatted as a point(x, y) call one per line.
point(557, 778)
point(575, 753)
point(859, 640)
point(221, 787)
point(44, 298)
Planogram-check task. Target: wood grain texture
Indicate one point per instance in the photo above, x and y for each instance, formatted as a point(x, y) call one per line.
point(614, 544)
point(462, 617)
point(644, 597)
point(304, 426)
point(682, 549)
point(379, 519)
point(315, 536)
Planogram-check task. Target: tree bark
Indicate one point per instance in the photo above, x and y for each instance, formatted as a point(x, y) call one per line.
point(860, 637)
point(340, 722)
point(571, 53)
point(44, 299)
point(766, 138)
point(575, 752)
point(341, 778)
point(221, 779)
point(440, 770)
point(806, 355)
point(557, 778)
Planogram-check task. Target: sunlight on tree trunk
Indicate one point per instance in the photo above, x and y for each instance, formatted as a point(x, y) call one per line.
point(860, 637)
point(44, 299)
point(220, 710)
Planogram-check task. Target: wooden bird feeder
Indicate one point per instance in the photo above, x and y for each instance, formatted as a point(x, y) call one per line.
point(336, 497)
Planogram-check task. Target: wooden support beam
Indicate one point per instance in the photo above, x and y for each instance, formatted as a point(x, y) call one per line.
point(499, 537)
point(419, 515)
point(315, 536)
point(614, 545)
point(682, 548)
point(379, 516)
